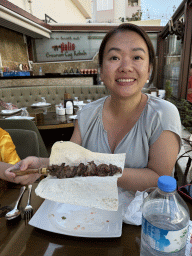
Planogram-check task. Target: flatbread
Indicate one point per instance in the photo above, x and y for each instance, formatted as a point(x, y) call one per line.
point(92, 191)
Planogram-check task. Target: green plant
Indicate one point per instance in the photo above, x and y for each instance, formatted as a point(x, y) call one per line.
point(168, 89)
point(135, 17)
point(185, 110)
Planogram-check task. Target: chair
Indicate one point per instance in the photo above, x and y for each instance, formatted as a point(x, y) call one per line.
point(26, 142)
point(25, 125)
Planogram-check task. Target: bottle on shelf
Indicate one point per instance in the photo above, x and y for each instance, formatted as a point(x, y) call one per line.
point(165, 220)
point(71, 71)
point(65, 71)
point(1, 71)
point(40, 71)
point(77, 71)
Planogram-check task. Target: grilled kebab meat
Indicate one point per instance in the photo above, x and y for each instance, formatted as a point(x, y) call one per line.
point(91, 169)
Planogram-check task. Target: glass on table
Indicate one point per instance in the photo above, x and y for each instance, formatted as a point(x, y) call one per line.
point(44, 111)
point(57, 108)
point(24, 112)
point(76, 102)
point(43, 99)
point(76, 99)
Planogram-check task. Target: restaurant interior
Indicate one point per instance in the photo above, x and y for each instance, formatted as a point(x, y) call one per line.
point(45, 65)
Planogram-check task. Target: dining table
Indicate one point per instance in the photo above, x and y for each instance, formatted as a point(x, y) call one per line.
point(18, 238)
point(45, 117)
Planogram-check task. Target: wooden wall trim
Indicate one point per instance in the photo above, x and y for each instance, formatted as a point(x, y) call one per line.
point(186, 53)
point(161, 60)
point(98, 27)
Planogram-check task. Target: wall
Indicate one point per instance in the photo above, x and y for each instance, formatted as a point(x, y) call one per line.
point(58, 67)
point(129, 10)
point(83, 81)
point(13, 50)
point(105, 16)
point(59, 10)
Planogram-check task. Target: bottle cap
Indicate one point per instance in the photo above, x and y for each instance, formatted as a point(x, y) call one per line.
point(67, 96)
point(167, 183)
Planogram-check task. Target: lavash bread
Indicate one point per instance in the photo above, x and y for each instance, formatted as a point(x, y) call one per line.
point(93, 191)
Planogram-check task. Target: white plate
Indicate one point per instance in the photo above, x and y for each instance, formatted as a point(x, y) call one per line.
point(72, 117)
point(40, 104)
point(77, 220)
point(79, 103)
point(20, 117)
point(10, 111)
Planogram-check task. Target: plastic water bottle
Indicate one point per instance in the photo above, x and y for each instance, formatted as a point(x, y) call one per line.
point(165, 221)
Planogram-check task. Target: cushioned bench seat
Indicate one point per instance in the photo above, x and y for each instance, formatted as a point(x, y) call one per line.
point(26, 96)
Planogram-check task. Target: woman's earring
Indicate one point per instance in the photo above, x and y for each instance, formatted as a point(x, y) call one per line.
point(147, 81)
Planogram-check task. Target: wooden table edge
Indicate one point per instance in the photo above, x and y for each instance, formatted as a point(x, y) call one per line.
point(54, 126)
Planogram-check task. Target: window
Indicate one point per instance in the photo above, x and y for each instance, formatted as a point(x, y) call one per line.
point(133, 3)
point(172, 62)
point(103, 5)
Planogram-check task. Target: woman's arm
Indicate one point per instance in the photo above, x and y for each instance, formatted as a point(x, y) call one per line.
point(162, 158)
point(76, 136)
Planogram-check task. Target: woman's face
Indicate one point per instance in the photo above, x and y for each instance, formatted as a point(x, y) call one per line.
point(125, 67)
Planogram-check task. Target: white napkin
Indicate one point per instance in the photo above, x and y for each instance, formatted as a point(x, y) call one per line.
point(78, 102)
point(131, 206)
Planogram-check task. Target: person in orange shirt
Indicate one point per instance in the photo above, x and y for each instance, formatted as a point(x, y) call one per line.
point(189, 92)
point(8, 154)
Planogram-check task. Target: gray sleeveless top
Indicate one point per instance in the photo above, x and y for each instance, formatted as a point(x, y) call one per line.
point(157, 116)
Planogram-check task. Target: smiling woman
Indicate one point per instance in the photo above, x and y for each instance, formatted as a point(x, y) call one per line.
point(144, 127)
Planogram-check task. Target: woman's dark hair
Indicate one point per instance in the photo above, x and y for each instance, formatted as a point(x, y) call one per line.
point(130, 27)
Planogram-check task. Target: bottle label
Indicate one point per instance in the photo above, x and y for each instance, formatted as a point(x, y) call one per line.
point(164, 240)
